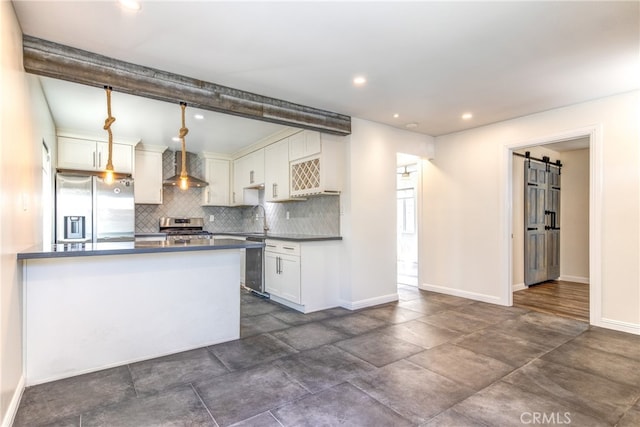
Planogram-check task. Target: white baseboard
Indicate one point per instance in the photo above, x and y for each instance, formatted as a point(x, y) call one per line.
point(12, 410)
point(356, 305)
point(287, 303)
point(460, 293)
point(575, 279)
point(518, 287)
point(616, 325)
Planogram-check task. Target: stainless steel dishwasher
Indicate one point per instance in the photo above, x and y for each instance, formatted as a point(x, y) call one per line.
point(254, 268)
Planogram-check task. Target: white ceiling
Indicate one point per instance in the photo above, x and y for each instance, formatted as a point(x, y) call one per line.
point(429, 62)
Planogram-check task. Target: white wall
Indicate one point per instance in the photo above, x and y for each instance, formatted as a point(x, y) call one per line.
point(574, 217)
point(25, 122)
point(368, 221)
point(466, 216)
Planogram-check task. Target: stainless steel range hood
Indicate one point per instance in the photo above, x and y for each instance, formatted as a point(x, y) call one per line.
point(175, 179)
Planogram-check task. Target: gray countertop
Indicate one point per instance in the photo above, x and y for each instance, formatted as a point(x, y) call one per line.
point(140, 247)
point(289, 237)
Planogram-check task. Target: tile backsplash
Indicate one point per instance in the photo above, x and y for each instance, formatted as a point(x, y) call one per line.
point(315, 216)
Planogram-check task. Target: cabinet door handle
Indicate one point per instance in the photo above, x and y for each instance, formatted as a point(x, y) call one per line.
point(274, 190)
point(234, 197)
point(289, 248)
point(94, 159)
point(251, 177)
point(100, 159)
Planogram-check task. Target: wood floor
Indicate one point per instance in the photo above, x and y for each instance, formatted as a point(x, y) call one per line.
point(566, 299)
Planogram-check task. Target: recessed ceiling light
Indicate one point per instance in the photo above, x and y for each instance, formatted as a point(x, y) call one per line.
point(130, 4)
point(198, 116)
point(359, 80)
point(411, 125)
point(396, 115)
point(467, 116)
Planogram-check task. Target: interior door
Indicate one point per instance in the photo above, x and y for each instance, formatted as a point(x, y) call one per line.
point(553, 223)
point(535, 247)
point(542, 222)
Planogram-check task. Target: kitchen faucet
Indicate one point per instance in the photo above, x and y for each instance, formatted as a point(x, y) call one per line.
point(265, 227)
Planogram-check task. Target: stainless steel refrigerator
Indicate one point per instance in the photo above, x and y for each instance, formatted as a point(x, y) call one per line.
point(88, 210)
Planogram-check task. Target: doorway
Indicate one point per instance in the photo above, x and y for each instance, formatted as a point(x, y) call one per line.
point(561, 296)
point(407, 192)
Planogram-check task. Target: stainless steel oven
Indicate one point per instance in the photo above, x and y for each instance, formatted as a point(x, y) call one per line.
point(180, 230)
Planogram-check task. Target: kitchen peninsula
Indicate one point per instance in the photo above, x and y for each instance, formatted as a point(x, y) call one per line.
point(93, 306)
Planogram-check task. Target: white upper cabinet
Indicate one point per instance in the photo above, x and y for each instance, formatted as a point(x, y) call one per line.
point(319, 173)
point(248, 176)
point(304, 144)
point(249, 169)
point(147, 187)
point(276, 171)
point(217, 172)
point(91, 155)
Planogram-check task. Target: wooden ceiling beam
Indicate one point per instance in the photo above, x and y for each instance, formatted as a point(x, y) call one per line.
point(62, 62)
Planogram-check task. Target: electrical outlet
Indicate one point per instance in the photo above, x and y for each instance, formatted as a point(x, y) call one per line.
point(212, 218)
point(287, 214)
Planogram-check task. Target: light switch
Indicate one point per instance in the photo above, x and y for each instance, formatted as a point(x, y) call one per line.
point(212, 218)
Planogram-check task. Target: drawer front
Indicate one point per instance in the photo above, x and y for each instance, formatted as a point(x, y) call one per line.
point(282, 247)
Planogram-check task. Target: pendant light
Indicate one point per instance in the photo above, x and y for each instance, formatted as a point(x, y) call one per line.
point(406, 174)
point(108, 175)
point(184, 177)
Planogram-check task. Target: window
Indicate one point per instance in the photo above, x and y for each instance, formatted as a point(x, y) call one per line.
point(406, 210)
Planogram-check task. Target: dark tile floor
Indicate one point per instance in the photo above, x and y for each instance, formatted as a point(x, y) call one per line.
point(427, 360)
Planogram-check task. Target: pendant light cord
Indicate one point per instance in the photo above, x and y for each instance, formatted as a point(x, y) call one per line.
point(183, 132)
point(107, 126)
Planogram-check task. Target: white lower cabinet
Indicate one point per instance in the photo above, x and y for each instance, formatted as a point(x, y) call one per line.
point(282, 270)
point(303, 275)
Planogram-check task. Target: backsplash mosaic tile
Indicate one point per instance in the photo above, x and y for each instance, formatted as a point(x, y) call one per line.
point(318, 215)
point(315, 216)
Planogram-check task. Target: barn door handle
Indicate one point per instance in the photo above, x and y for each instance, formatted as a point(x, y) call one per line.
point(532, 228)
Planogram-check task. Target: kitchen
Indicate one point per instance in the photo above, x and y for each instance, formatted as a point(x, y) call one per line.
point(367, 267)
point(301, 249)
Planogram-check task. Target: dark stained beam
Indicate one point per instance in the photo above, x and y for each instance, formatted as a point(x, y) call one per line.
point(62, 62)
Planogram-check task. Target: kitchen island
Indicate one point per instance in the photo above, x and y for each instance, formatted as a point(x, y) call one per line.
point(92, 306)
